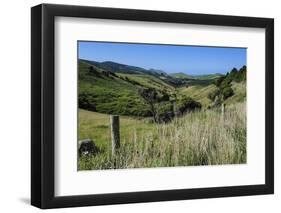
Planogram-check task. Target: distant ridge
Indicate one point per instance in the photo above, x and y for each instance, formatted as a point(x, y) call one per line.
point(200, 77)
point(129, 69)
point(123, 68)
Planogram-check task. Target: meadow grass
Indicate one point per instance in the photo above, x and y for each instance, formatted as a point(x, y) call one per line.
point(199, 138)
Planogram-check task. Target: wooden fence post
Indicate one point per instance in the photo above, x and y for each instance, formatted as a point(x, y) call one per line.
point(115, 133)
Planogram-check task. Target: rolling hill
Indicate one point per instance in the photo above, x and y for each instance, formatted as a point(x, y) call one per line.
point(123, 68)
point(198, 77)
point(113, 88)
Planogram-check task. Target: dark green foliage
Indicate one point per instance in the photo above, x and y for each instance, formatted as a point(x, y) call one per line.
point(236, 75)
point(85, 101)
point(160, 107)
point(93, 71)
point(187, 104)
point(148, 94)
point(243, 74)
point(234, 71)
point(164, 112)
point(227, 92)
point(109, 74)
point(164, 97)
point(224, 83)
point(218, 81)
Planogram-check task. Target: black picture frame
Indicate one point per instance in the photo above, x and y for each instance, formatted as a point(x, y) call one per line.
point(43, 111)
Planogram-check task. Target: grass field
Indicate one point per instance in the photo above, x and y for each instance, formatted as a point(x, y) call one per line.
point(199, 138)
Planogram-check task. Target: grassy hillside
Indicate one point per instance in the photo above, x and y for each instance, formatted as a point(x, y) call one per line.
point(240, 90)
point(117, 92)
point(208, 76)
point(182, 75)
point(199, 93)
point(109, 94)
point(122, 68)
point(150, 81)
point(198, 77)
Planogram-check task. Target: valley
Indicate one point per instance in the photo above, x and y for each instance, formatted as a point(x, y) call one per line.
point(166, 119)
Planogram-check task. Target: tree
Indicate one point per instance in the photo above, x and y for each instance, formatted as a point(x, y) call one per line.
point(150, 97)
point(234, 70)
point(243, 73)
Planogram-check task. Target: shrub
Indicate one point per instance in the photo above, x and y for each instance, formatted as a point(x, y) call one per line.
point(85, 102)
point(93, 71)
point(187, 104)
point(227, 92)
point(165, 97)
point(164, 112)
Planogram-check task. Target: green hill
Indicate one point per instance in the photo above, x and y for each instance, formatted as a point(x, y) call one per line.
point(106, 93)
point(181, 75)
point(200, 93)
point(199, 77)
point(113, 88)
point(208, 76)
point(123, 68)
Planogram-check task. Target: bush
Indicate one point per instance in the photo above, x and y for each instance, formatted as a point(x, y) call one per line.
point(165, 97)
point(93, 71)
point(85, 102)
point(164, 112)
point(187, 104)
point(227, 92)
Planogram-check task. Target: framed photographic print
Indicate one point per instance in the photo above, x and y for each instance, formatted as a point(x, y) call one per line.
point(139, 106)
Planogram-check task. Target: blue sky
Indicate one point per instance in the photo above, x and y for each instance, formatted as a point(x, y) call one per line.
point(194, 60)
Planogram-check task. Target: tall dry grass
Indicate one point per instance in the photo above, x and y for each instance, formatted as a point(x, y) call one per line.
point(198, 138)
